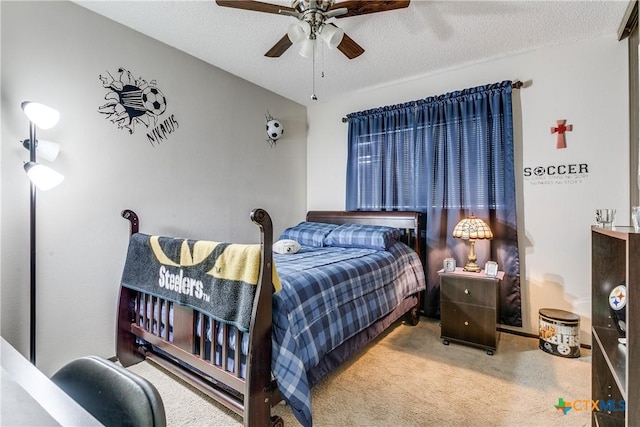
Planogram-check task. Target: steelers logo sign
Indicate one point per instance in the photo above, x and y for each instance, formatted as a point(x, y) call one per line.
point(618, 297)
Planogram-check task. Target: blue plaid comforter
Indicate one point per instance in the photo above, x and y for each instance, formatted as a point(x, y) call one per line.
point(328, 295)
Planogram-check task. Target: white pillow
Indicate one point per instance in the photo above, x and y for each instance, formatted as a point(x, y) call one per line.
point(286, 246)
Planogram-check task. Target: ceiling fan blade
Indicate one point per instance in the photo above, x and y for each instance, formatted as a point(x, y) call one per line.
point(279, 48)
point(257, 6)
point(350, 48)
point(363, 7)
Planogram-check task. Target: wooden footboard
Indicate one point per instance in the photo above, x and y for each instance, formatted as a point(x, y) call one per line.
point(208, 354)
point(216, 365)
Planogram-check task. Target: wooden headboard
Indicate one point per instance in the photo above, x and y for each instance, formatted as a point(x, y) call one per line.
point(410, 222)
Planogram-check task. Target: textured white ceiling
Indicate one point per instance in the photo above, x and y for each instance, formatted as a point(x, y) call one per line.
point(427, 37)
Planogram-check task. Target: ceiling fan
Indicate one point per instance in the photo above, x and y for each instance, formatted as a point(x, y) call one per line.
point(312, 22)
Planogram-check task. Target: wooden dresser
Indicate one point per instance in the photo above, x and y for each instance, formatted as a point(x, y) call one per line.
point(469, 308)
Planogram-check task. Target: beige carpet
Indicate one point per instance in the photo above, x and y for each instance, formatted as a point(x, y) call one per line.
point(409, 378)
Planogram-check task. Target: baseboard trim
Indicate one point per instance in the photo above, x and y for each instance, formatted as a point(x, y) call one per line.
point(528, 335)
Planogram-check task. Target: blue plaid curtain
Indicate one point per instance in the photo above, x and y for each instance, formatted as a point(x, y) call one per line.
point(448, 156)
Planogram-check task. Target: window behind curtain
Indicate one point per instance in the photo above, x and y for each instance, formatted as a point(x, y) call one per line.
point(385, 172)
point(388, 166)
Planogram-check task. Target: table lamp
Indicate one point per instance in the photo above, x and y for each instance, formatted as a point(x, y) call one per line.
point(472, 228)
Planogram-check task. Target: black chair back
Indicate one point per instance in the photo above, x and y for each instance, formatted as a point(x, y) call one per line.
point(112, 394)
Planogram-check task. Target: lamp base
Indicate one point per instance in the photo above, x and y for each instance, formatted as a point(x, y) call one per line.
point(472, 267)
point(471, 259)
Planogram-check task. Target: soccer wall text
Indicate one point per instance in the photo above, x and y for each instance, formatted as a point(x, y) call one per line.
point(570, 173)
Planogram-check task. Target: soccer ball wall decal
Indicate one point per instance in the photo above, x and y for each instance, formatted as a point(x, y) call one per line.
point(274, 129)
point(154, 100)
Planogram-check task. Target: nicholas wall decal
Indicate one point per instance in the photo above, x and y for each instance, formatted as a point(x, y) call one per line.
point(132, 101)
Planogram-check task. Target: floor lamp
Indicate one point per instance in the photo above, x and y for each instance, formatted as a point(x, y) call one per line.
point(42, 178)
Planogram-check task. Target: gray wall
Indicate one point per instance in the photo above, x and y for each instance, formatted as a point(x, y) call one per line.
point(202, 182)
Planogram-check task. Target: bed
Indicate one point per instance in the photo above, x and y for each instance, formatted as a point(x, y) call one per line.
point(292, 321)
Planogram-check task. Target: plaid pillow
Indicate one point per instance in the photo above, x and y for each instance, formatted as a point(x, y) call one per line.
point(363, 236)
point(308, 233)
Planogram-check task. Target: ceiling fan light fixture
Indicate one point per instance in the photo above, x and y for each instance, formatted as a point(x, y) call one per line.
point(332, 35)
point(307, 48)
point(298, 31)
point(313, 14)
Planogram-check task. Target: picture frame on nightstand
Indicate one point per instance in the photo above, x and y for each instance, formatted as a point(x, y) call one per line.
point(491, 268)
point(449, 265)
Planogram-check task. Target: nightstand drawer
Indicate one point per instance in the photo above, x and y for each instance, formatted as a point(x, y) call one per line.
point(459, 289)
point(469, 323)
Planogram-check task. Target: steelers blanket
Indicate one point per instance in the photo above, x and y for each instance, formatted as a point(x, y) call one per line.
point(217, 278)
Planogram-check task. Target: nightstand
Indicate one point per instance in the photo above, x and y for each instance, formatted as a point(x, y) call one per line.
point(469, 308)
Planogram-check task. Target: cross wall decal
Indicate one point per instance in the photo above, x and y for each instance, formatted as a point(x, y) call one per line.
point(561, 141)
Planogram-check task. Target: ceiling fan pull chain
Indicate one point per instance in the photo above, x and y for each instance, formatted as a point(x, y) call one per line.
point(322, 49)
point(313, 74)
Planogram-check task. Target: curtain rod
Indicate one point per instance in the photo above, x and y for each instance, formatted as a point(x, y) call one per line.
point(515, 85)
